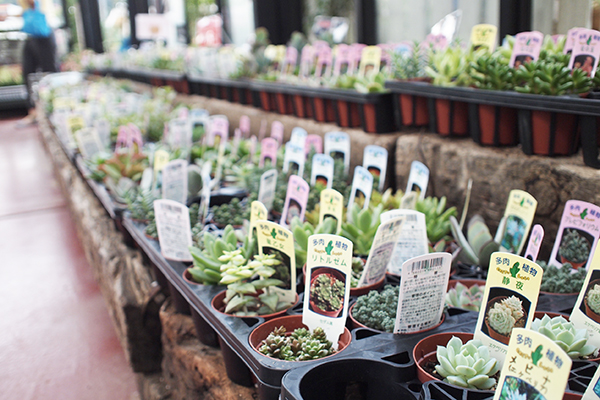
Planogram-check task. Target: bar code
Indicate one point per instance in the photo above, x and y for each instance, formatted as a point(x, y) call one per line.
point(171, 208)
point(411, 218)
point(426, 264)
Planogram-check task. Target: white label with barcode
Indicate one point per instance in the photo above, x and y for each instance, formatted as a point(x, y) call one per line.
point(175, 181)
point(412, 240)
point(174, 231)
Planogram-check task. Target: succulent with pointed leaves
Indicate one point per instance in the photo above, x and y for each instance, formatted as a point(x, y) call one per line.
point(300, 345)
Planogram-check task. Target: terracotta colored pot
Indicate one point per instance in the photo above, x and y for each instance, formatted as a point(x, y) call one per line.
point(540, 315)
point(150, 237)
point(290, 322)
point(332, 274)
point(573, 264)
point(218, 304)
point(497, 125)
point(414, 110)
point(348, 114)
point(323, 110)
point(452, 117)
point(370, 114)
point(493, 334)
point(591, 313)
point(425, 351)
point(189, 279)
point(299, 106)
point(354, 323)
point(266, 101)
point(566, 135)
point(283, 103)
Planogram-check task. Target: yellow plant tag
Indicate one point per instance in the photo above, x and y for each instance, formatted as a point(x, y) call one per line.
point(258, 212)
point(332, 205)
point(484, 35)
point(161, 158)
point(370, 60)
point(75, 123)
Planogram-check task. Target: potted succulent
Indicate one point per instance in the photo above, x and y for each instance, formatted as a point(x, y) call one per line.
point(504, 313)
point(142, 205)
point(466, 294)
point(572, 340)
point(574, 249)
point(476, 248)
point(362, 227)
point(561, 280)
point(592, 300)
point(437, 217)
point(234, 213)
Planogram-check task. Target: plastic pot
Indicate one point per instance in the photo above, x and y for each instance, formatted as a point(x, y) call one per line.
point(554, 133)
point(347, 114)
point(452, 117)
point(322, 109)
point(497, 125)
point(413, 110)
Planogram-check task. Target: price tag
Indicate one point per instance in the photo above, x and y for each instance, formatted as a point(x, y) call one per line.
point(370, 60)
point(484, 35)
point(295, 200)
point(299, 136)
point(174, 232)
point(362, 186)
point(88, 142)
point(418, 179)
point(268, 185)
point(509, 300)
point(268, 151)
point(518, 216)
point(412, 239)
point(332, 205)
point(324, 62)
point(327, 284)
point(375, 159)
point(422, 292)
point(572, 35)
point(313, 142)
point(526, 48)
point(586, 51)
point(342, 59)
point(535, 242)
point(258, 212)
point(586, 312)
point(245, 125)
point(535, 368)
point(219, 126)
point(174, 181)
point(161, 158)
point(274, 239)
point(381, 251)
point(277, 132)
point(577, 235)
point(322, 170)
point(294, 154)
point(337, 145)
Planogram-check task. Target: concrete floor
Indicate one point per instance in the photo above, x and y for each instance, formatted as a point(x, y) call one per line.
point(57, 340)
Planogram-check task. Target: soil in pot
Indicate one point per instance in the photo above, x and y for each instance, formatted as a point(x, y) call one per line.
point(452, 117)
point(497, 125)
point(564, 141)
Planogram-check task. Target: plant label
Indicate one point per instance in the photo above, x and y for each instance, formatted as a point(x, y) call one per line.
point(375, 159)
point(136, 136)
point(174, 181)
point(205, 192)
point(526, 48)
point(409, 201)
point(535, 242)
point(74, 123)
point(337, 145)
point(161, 158)
point(174, 232)
point(294, 155)
point(237, 138)
point(332, 205)
point(386, 58)
point(322, 170)
point(381, 252)
point(245, 126)
point(586, 51)
point(362, 186)
point(268, 151)
point(103, 129)
point(535, 368)
point(342, 59)
point(295, 200)
point(327, 284)
point(274, 239)
point(262, 131)
point(577, 235)
point(518, 217)
point(219, 126)
point(370, 60)
point(298, 136)
point(418, 179)
point(268, 185)
point(435, 42)
point(593, 390)
point(356, 50)
point(484, 35)
point(313, 142)
point(289, 62)
point(509, 300)
point(258, 212)
point(571, 39)
point(179, 134)
point(88, 142)
point(586, 312)
point(199, 120)
point(307, 60)
point(252, 146)
point(277, 132)
point(124, 138)
point(324, 62)
point(422, 292)
point(146, 181)
point(412, 239)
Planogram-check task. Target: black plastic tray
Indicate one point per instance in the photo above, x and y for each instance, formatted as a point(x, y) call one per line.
point(13, 97)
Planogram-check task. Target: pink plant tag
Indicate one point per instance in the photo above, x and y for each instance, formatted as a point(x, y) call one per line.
point(586, 51)
point(436, 42)
point(289, 62)
point(136, 135)
point(307, 60)
point(319, 44)
point(356, 52)
point(219, 126)
point(526, 48)
point(535, 242)
point(571, 38)
point(253, 142)
point(277, 132)
point(324, 62)
point(386, 56)
point(313, 141)
point(295, 200)
point(268, 150)
point(342, 60)
point(245, 125)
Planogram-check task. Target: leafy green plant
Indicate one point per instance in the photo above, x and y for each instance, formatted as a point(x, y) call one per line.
point(449, 67)
point(300, 345)
point(479, 243)
point(372, 82)
point(124, 164)
point(467, 365)
point(122, 189)
point(234, 212)
point(151, 229)
point(377, 310)
point(572, 340)
point(574, 247)
point(388, 199)
point(142, 205)
point(550, 78)
point(362, 227)
point(437, 217)
point(491, 72)
point(358, 265)
point(302, 231)
point(409, 65)
point(562, 279)
point(464, 297)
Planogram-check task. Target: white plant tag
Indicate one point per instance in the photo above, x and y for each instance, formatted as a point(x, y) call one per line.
point(174, 181)
point(337, 145)
point(412, 240)
point(174, 232)
point(375, 159)
point(381, 252)
point(362, 185)
point(322, 170)
point(418, 178)
point(268, 185)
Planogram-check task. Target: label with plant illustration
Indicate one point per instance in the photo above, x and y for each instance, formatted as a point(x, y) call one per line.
point(88, 142)
point(535, 242)
point(268, 152)
point(199, 120)
point(342, 59)
point(362, 186)
point(586, 51)
point(307, 61)
point(370, 60)
point(577, 235)
point(571, 39)
point(267, 187)
point(298, 136)
point(161, 158)
point(593, 390)
point(484, 35)
point(518, 216)
point(586, 312)
point(174, 231)
point(175, 181)
point(275, 239)
point(219, 126)
point(322, 170)
point(293, 159)
point(258, 212)
point(313, 142)
point(277, 132)
point(418, 179)
point(509, 300)
point(535, 368)
point(375, 159)
point(289, 62)
point(422, 292)
point(526, 48)
point(332, 205)
point(337, 145)
point(295, 200)
point(327, 284)
point(245, 125)
point(412, 240)
point(381, 252)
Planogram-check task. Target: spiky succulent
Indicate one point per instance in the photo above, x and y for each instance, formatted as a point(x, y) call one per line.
point(464, 297)
point(467, 365)
point(300, 345)
point(593, 299)
point(574, 247)
point(572, 340)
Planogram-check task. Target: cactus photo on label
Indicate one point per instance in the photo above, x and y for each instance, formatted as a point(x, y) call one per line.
point(505, 310)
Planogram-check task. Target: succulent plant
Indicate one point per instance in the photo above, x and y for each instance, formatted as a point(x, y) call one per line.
point(449, 67)
point(125, 164)
point(300, 345)
point(234, 212)
point(409, 66)
point(562, 279)
point(141, 206)
point(437, 217)
point(467, 365)
point(479, 244)
point(151, 229)
point(491, 72)
point(122, 189)
point(302, 231)
point(464, 297)
point(327, 292)
point(389, 199)
point(572, 340)
point(551, 77)
point(377, 310)
point(504, 314)
point(593, 299)
point(362, 227)
point(574, 247)
point(358, 265)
